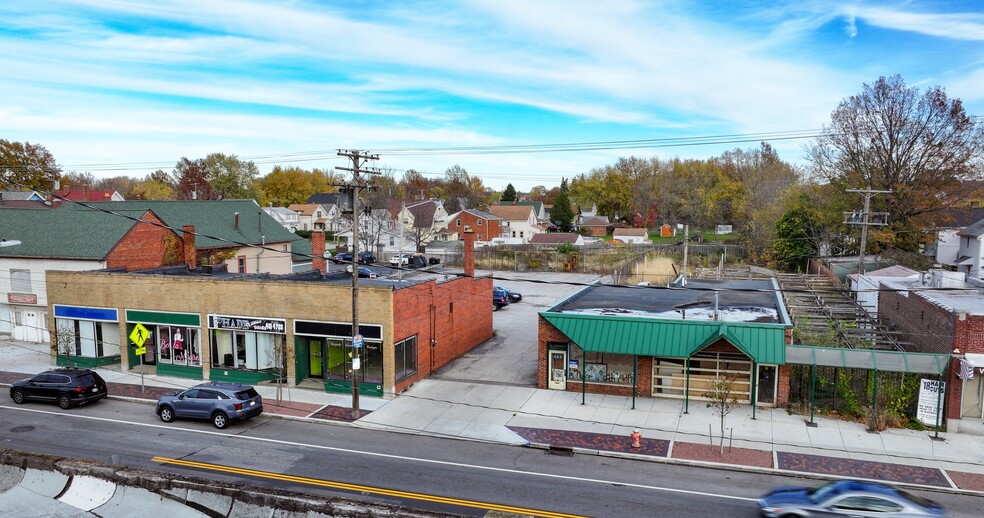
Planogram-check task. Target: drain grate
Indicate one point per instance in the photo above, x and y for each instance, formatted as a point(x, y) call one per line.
point(565, 451)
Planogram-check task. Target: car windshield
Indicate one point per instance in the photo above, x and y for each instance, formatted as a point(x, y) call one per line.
point(247, 394)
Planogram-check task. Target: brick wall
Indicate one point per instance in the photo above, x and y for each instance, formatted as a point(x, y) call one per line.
point(929, 326)
point(487, 229)
point(146, 245)
point(457, 314)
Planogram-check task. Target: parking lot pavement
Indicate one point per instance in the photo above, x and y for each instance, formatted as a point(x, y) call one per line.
point(510, 356)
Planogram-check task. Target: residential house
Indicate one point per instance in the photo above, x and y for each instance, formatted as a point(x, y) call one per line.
point(557, 238)
point(632, 236)
point(598, 226)
point(65, 239)
point(87, 195)
point(237, 233)
point(22, 199)
point(970, 253)
point(485, 224)
point(289, 219)
point(540, 211)
point(947, 322)
point(519, 221)
point(225, 326)
point(946, 248)
point(324, 198)
point(318, 216)
point(583, 213)
point(422, 220)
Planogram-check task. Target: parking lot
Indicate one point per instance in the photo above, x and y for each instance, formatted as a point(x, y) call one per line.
point(510, 356)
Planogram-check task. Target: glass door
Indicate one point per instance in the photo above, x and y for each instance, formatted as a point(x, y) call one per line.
point(558, 370)
point(767, 384)
point(316, 361)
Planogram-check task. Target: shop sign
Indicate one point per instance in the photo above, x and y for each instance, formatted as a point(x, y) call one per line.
point(22, 298)
point(929, 400)
point(260, 325)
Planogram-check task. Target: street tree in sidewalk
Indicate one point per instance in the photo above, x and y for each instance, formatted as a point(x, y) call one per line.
point(923, 146)
point(723, 400)
point(27, 166)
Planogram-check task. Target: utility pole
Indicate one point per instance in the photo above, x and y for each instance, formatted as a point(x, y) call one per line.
point(358, 158)
point(686, 243)
point(864, 220)
point(403, 208)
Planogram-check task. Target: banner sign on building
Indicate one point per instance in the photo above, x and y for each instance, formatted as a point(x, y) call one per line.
point(259, 325)
point(929, 401)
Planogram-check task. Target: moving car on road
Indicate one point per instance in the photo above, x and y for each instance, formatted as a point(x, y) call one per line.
point(845, 498)
point(217, 401)
point(68, 386)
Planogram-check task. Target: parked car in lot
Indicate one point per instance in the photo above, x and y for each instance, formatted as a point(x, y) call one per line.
point(67, 386)
point(346, 257)
point(514, 296)
point(845, 498)
point(400, 259)
point(217, 401)
point(500, 298)
point(364, 272)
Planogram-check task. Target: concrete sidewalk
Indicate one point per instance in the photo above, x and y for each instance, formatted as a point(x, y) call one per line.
point(773, 441)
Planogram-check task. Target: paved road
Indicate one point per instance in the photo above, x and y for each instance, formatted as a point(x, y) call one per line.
point(472, 471)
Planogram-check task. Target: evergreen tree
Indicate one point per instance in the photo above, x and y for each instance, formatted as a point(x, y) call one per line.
point(563, 184)
point(561, 214)
point(509, 195)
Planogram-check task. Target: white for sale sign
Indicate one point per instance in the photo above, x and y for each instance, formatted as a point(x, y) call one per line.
point(929, 398)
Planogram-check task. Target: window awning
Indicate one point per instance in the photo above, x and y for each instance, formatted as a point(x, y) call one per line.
point(895, 361)
point(975, 359)
point(639, 336)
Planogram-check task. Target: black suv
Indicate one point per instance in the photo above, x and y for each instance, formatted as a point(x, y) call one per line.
point(68, 386)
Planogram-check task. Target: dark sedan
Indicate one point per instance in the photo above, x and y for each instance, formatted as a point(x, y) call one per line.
point(514, 296)
point(846, 498)
point(346, 257)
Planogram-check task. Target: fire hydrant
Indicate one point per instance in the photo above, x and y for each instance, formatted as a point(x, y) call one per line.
point(635, 438)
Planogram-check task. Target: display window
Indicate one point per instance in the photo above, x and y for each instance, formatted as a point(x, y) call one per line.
point(87, 338)
point(178, 345)
point(405, 355)
point(245, 350)
point(340, 361)
point(599, 367)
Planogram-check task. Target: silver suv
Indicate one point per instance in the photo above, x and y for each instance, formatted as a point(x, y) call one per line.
point(217, 401)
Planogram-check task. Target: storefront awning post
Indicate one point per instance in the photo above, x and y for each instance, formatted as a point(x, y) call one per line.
point(686, 388)
point(582, 383)
point(813, 390)
point(754, 386)
point(635, 373)
point(939, 407)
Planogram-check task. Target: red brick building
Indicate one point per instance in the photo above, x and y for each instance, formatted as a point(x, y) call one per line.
point(485, 225)
point(943, 322)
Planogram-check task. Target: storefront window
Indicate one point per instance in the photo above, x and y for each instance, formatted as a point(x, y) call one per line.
point(340, 361)
point(599, 367)
point(244, 350)
point(178, 346)
point(405, 352)
point(87, 338)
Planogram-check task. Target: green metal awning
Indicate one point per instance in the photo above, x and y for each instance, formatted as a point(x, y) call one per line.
point(895, 361)
point(635, 336)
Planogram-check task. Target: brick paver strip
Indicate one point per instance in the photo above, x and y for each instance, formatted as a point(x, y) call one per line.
point(338, 413)
point(964, 480)
point(708, 453)
point(593, 441)
point(861, 469)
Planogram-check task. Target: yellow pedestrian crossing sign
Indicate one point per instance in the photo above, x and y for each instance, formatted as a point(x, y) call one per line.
point(139, 335)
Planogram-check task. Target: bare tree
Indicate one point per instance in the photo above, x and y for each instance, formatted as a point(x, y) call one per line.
point(922, 146)
point(723, 400)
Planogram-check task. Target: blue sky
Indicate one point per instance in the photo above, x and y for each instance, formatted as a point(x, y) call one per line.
point(124, 87)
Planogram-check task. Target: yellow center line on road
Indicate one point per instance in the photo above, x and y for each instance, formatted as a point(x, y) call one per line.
point(362, 489)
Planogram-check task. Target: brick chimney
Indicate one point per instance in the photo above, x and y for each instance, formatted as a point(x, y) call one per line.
point(190, 252)
point(469, 235)
point(318, 251)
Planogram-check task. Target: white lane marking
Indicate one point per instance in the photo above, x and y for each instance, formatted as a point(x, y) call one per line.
point(391, 456)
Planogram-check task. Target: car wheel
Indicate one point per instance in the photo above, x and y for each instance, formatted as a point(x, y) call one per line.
point(64, 402)
point(17, 396)
point(495, 308)
point(167, 415)
point(220, 420)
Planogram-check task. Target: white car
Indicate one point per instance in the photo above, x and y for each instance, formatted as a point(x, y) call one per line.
point(400, 259)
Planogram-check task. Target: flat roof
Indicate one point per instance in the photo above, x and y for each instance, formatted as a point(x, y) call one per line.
point(737, 301)
point(335, 276)
point(964, 299)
